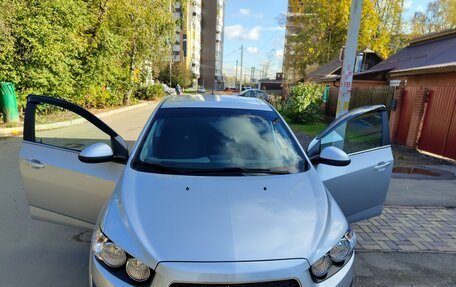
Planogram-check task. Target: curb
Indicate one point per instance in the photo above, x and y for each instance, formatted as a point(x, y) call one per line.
point(7, 132)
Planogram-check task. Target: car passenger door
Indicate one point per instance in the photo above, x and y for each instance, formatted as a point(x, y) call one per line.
point(359, 188)
point(60, 188)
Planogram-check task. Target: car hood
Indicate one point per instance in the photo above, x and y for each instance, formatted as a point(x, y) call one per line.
point(196, 218)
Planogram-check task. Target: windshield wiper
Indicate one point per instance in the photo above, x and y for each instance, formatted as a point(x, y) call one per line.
point(159, 167)
point(236, 170)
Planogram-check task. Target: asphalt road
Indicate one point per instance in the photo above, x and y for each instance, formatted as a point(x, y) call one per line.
point(43, 254)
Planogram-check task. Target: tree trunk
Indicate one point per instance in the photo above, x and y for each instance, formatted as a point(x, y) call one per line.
point(127, 96)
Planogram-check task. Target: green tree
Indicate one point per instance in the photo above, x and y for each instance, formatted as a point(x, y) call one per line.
point(148, 27)
point(43, 46)
point(88, 51)
point(179, 75)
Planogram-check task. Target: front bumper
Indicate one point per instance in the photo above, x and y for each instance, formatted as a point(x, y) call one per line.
point(227, 273)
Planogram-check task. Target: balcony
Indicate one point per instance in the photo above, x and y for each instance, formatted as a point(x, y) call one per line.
point(219, 28)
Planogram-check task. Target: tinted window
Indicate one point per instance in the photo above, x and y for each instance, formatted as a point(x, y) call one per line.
point(208, 140)
point(247, 93)
point(357, 134)
point(261, 94)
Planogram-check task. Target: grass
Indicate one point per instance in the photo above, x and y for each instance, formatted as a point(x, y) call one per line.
point(309, 129)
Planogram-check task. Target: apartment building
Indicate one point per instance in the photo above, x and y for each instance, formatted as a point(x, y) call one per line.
point(212, 44)
point(199, 40)
point(290, 75)
point(187, 45)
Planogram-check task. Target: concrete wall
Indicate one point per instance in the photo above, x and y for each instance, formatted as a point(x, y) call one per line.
point(208, 32)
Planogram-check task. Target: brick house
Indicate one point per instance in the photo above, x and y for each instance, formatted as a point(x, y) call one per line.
point(424, 106)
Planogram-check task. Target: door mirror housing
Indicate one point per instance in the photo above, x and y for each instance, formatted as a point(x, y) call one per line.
point(96, 153)
point(331, 156)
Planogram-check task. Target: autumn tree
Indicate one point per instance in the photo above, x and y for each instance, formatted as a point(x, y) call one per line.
point(319, 28)
point(439, 15)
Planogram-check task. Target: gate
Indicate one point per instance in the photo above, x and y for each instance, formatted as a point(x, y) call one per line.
point(438, 134)
point(408, 99)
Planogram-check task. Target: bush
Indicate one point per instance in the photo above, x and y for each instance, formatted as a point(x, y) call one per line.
point(303, 104)
point(150, 92)
point(100, 97)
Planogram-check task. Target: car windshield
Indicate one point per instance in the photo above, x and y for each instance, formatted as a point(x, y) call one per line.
point(213, 141)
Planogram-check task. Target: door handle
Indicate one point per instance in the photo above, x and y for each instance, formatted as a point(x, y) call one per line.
point(34, 163)
point(382, 165)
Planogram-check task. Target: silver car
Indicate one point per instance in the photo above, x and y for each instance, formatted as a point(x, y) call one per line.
point(255, 93)
point(216, 192)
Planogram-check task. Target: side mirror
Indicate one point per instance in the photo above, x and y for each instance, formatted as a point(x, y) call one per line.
point(96, 153)
point(331, 156)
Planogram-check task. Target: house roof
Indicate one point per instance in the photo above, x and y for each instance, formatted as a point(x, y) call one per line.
point(332, 70)
point(432, 51)
point(324, 71)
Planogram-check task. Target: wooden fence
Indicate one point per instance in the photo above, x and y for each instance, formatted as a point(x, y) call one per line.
point(360, 97)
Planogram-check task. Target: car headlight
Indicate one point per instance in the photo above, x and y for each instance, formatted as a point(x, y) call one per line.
point(115, 257)
point(137, 270)
point(321, 267)
point(335, 257)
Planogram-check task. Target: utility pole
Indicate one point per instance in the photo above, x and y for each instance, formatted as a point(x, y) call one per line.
point(242, 58)
point(172, 52)
point(346, 78)
point(235, 77)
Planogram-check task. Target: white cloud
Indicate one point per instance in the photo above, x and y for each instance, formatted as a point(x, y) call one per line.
point(252, 34)
point(420, 8)
point(279, 54)
point(234, 31)
point(244, 12)
point(252, 50)
point(241, 33)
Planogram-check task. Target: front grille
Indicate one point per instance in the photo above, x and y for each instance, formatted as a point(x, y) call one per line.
point(283, 283)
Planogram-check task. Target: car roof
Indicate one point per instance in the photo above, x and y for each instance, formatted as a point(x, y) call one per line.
point(215, 101)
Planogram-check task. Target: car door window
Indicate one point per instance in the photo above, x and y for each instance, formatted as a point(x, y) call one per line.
point(248, 94)
point(358, 134)
point(61, 128)
point(260, 94)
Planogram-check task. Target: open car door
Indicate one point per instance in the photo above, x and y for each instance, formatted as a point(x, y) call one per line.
point(60, 187)
point(359, 188)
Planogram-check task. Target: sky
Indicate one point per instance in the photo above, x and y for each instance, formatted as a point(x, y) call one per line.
point(254, 24)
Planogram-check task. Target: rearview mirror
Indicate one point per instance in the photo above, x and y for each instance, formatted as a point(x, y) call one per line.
point(96, 153)
point(331, 156)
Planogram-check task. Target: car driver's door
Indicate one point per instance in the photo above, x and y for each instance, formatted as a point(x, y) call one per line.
point(60, 187)
point(359, 188)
